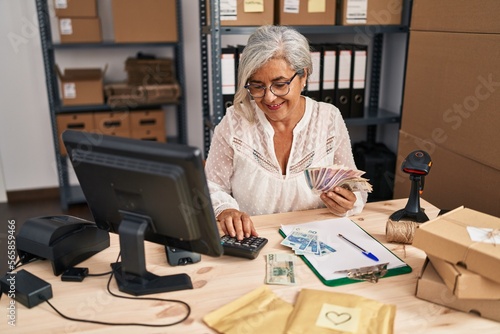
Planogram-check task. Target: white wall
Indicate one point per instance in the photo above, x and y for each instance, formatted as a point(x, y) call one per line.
point(3, 194)
point(26, 144)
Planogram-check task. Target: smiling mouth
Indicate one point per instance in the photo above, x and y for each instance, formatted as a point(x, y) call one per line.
point(274, 106)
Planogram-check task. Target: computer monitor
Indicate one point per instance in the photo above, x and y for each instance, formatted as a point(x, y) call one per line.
point(145, 190)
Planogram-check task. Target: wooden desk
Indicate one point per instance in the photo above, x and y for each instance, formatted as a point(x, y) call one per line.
point(218, 281)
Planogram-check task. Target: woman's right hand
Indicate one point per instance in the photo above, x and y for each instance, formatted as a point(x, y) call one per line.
point(236, 224)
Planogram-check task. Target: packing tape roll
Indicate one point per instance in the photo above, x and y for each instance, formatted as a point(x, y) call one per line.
point(400, 231)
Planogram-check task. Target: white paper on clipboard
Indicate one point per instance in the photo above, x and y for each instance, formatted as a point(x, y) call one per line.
point(346, 256)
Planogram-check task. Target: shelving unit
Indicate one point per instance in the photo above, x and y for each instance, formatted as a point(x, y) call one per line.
point(72, 194)
point(211, 34)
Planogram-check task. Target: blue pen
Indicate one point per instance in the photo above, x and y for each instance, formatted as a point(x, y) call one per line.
point(365, 253)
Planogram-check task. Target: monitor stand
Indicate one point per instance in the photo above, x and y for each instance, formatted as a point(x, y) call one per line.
point(131, 274)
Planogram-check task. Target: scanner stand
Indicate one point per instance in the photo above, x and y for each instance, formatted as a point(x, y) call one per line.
point(412, 209)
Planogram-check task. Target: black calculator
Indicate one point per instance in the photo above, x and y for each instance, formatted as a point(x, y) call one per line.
point(247, 248)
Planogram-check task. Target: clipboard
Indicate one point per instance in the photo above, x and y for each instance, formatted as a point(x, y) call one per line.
point(333, 272)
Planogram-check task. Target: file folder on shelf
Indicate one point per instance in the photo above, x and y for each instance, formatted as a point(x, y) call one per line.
point(348, 265)
point(228, 75)
point(313, 83)
point(328, 63)
point(239, 52)
point(358, 82)
point(343, 79)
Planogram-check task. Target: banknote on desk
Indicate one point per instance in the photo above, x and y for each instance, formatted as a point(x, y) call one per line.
point(280, 269)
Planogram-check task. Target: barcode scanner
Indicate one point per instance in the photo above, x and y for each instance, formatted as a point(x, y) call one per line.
point(418, 164)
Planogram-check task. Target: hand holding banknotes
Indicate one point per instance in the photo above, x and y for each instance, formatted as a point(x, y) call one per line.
point(336, 185)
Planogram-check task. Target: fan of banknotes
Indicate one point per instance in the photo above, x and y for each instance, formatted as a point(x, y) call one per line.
point(324, 179)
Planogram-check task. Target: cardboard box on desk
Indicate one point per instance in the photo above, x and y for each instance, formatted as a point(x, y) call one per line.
point(464, 283)
point(376, 12)
point(145, 21)
point(448, 237)
point(81, 86)
point(75, 8)
point(246, 14)
point(431, 287)
point(80, 30)
point(305, 14)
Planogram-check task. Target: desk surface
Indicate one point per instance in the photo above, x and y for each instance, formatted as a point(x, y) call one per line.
point(218, 281)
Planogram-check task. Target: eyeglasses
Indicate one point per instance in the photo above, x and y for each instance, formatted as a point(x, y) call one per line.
point(277, 88)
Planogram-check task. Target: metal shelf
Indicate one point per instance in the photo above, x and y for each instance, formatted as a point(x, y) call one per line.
point(107, 107)
point(320, 30)
point(211, 32)
point(71, 194)
point(72, 46)
point(382, 117)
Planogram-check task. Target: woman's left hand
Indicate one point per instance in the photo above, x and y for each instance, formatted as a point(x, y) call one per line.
point(339, 201)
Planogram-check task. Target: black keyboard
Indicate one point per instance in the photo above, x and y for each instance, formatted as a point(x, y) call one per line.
point(247, 248)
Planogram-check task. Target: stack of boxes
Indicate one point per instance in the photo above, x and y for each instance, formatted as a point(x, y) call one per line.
point(78, 21)
point(138, 124)
point(151, 82)
point(463, 266)
point(309, 13)
point(451, 103)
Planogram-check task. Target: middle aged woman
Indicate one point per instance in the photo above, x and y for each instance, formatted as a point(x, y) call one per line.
point(271, 134)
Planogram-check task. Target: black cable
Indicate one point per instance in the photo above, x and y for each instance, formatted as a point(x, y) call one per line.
point(188, 308)
point(100, 274)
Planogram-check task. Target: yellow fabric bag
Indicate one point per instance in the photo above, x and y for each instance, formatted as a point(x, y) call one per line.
point(317, 311)
point(259, 311)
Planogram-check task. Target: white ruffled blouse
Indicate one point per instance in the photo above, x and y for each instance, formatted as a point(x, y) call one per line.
point(243, 172)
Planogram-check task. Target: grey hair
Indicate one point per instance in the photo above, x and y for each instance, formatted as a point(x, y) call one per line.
point(266, 43)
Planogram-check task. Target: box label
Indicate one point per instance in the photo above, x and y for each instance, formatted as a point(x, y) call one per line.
point(228, 10)
point(316, 6)
point(487, 235)
point(356, 11)
point(291, 6)
point(61, 4)
point(69, 90)
point(253, 6)
point(66, 28)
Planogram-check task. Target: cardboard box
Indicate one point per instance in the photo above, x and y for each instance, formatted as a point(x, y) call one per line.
point(371, 12)
point(147, 119)
point(118, 95)
point(75, 8)
point(152, 135)
point(456, 16)
point(148, 125)
point(150, 71)
point(144, 21)
point(112, 123)
point(448, 237)
point(453, 180)
point(464, 283)
point(81, 86)
point(73, 121)
point(80, 30)
point(247, 15)
point(452, 93)
point(304, 15)
point(431, 287)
